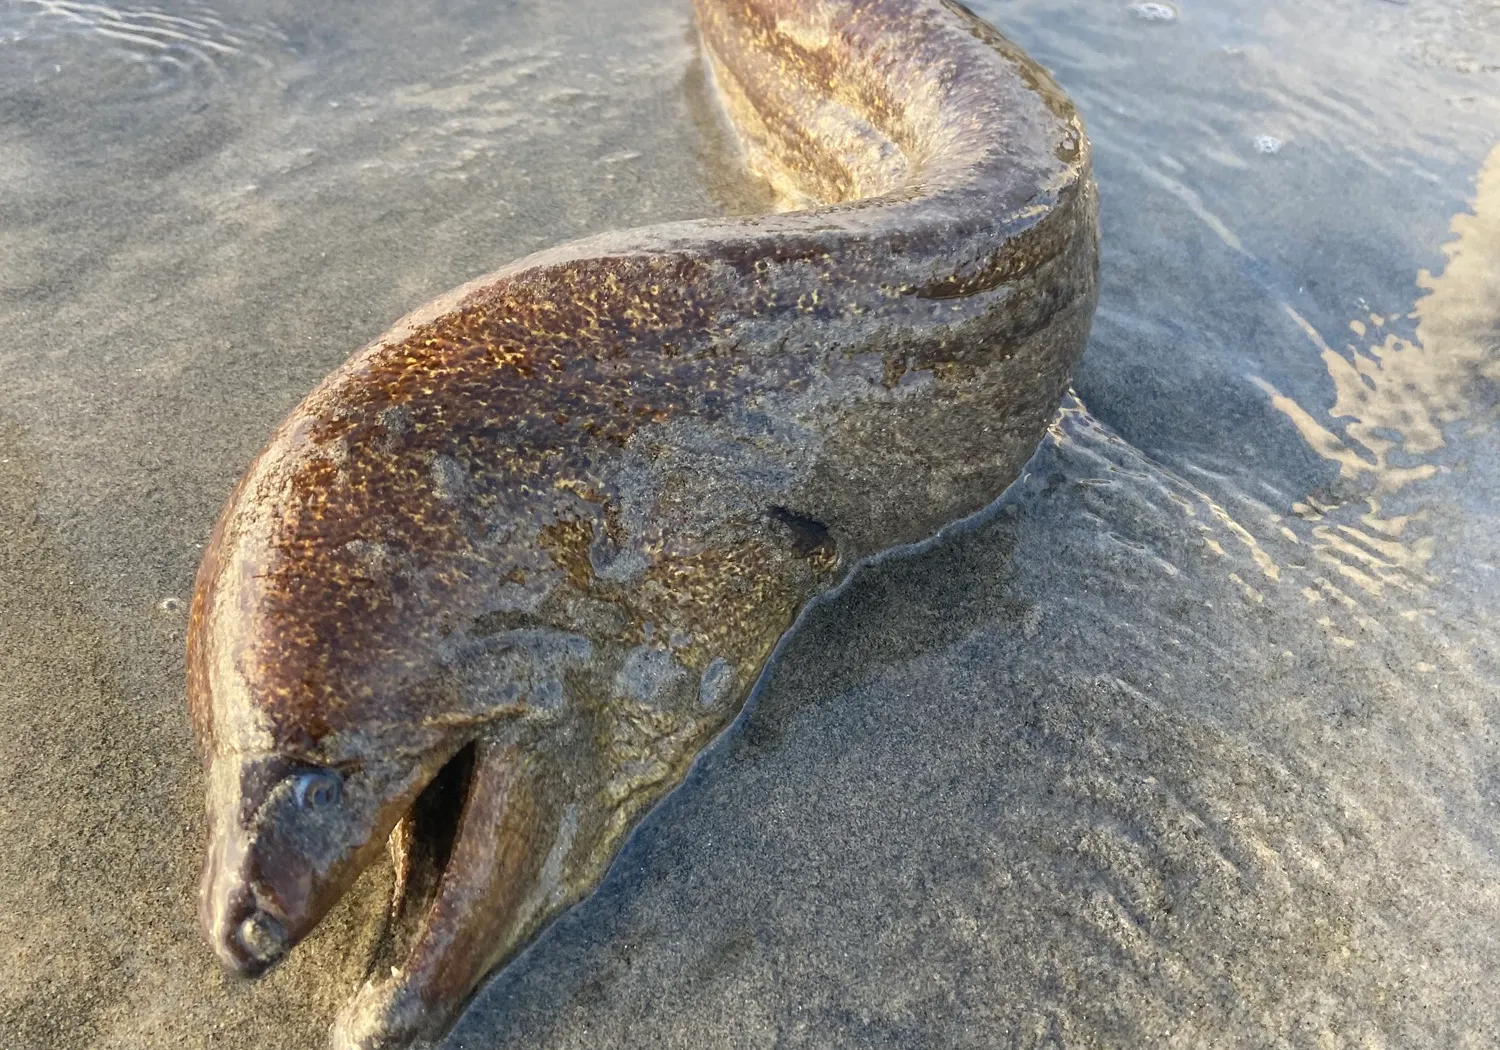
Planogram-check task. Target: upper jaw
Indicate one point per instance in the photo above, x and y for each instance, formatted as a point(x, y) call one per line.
point(272, 871)
point(247, 936)
point(262, 874)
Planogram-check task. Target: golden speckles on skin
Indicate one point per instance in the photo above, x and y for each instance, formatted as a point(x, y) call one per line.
point(654, 448)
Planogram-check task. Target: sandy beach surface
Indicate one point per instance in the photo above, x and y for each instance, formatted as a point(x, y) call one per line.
point(1192, 739)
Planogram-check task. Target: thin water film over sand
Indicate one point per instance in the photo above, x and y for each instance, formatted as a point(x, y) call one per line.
point(1189, 740)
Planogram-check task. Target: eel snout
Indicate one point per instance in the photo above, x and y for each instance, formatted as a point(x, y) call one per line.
point(245, 922)
point(247, 939)
point(288, 840)
point(255, 895)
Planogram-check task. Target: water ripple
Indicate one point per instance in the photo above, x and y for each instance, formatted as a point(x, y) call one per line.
point(192, 44)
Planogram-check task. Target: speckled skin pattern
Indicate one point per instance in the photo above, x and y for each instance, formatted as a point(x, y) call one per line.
point(493, 585)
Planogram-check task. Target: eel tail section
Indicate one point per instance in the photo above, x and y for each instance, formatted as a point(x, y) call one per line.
point(495, 583)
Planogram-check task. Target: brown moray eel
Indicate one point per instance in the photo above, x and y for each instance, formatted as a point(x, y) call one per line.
point(496, 582)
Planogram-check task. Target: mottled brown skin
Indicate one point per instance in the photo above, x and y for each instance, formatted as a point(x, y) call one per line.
point(530, 550)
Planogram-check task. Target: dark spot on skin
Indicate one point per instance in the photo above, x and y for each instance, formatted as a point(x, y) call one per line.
point(809, 535)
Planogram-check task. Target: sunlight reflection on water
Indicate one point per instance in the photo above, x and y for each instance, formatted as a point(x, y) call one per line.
point(1193, 732)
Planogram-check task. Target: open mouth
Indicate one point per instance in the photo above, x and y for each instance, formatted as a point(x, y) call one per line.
point(421, 846)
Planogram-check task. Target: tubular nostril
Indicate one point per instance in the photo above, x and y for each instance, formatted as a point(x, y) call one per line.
point(262, 939)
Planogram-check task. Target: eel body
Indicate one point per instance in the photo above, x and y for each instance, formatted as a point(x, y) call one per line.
point(493, 585)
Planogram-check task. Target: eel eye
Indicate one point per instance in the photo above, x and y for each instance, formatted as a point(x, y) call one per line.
point(317, 788)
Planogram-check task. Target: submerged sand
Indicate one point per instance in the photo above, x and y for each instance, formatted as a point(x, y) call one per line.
point(1190, 740)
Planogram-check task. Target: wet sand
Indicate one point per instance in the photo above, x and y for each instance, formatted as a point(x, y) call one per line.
point(1190, 740)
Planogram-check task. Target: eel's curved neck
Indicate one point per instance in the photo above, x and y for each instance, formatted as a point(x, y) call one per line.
point(877, 102)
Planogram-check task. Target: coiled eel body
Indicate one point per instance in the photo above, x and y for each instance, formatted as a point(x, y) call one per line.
point(496, 581)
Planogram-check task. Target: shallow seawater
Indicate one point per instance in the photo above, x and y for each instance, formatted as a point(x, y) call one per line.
point(1190, 739)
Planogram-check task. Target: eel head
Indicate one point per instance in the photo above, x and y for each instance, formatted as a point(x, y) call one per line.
point(288, 838)
point(301, 675)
